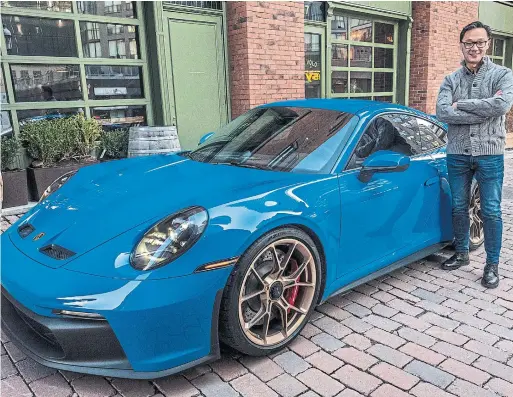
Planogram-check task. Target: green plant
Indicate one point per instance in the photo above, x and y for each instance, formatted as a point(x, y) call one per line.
point(68, 138)
point(10, 147)
point(115, 143)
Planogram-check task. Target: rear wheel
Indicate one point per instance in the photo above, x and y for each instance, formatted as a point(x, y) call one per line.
point(476, 220)
point(271, 293)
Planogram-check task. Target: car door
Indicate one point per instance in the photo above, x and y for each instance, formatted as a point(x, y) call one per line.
point(394, 214)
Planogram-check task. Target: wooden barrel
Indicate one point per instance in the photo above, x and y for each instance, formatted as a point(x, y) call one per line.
point(145, 141)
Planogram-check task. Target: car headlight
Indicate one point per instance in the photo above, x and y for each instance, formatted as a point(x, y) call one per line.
point(169, 239)
point(57, 184)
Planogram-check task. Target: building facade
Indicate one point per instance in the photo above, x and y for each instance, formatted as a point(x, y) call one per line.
point(199, 64)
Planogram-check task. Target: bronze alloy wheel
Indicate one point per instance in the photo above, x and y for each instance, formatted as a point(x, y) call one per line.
point(277, 292)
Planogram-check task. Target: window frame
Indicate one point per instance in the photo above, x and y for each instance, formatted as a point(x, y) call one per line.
point(84, 103)
point(332, 41)
point(414, 115)
point(492, 55)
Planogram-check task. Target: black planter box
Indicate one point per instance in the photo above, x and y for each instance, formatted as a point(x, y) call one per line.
point(40, 178)
point(15, 188)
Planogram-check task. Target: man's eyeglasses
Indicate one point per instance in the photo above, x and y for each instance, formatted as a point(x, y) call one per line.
point(469, 44)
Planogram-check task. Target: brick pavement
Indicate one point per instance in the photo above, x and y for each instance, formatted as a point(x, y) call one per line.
point(417, 332)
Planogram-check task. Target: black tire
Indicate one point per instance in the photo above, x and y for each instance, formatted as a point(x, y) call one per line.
point(231, 332)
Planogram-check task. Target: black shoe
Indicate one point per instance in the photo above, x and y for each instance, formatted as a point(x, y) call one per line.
point(490, 276)
point(456, 261)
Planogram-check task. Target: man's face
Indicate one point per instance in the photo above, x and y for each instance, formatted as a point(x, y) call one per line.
point(479, 38)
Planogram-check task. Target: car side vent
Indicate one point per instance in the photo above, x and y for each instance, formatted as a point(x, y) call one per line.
point(56, 252)
point(25, 230)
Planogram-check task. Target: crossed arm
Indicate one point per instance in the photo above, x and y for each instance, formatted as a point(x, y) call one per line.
point(475, 111)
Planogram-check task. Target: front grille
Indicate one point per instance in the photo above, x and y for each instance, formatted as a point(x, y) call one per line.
point(56, 252)
point(25, 230)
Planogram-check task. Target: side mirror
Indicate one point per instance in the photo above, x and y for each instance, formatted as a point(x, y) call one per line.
point(383, 161)
point(205, 137)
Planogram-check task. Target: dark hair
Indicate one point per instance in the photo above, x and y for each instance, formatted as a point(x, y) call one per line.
point(47, 89)
point(475, 25)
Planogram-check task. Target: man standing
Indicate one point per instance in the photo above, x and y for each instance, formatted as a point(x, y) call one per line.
point(473, 101)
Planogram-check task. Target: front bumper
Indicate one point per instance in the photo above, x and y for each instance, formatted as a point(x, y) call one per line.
point(152, 328)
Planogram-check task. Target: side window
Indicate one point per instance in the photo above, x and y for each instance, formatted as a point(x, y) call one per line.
point(433, 136)
point(395, 133)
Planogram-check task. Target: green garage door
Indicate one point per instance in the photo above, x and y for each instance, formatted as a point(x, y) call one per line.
point(198, 70)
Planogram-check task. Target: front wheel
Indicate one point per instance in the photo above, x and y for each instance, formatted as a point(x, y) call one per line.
point(271, 293)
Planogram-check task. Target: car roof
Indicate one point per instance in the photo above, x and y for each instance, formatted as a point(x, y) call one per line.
point(353, 106)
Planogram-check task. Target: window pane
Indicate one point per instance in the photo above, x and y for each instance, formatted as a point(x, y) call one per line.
point(314, 11)
point(384, 33)
point(338, 82)
point(339, 55)
point(114, 82)
point(361, 57)
point(38, 83)
point(33, 115)
point(312, 65)
point(339, 26)
point(112, 40)
point(60, 6)
point(119, 9)
point(5, 123)
point(361, 82)
point(39, 36)
point(498, 48)
point(3, 89)
point(361, 30)
point(429, 135)
point(383, 57)
point(383, 82)
point(215, 5)
point(383, 98)
point(113, 117)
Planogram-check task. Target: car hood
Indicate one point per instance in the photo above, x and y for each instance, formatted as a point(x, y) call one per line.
point(103, 201)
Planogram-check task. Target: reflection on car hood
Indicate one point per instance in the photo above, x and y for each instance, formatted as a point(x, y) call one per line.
point(105, 200)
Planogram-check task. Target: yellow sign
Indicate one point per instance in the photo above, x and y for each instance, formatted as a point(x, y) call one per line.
point(312, 75)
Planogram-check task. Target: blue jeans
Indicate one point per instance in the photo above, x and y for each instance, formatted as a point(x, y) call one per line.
point(489, 173)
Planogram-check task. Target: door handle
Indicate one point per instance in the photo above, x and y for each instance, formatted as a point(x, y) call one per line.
point(432, 181)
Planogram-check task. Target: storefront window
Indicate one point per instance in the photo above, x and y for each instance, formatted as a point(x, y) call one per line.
point(105, 40)
point(214, 5)
point(5, 123)
point(113, 82)
point(120, 9)
point(35, 82)
point(113, 117)
point(363, 53)
point(315, 11)
point(35, 36)
point(496, 51)
point(40, 83)
point(3, 91)
point(313, 63)
point(58, 6)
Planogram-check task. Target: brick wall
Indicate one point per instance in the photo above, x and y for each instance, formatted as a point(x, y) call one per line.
point(266, 52)
point(435, 47)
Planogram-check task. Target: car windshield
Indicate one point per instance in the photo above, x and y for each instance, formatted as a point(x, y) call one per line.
point(279, 138)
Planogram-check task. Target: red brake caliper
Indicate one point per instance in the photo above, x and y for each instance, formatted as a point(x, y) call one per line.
point(292, 292)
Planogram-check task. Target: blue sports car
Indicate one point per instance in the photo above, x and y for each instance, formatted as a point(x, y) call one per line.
point(141, 267)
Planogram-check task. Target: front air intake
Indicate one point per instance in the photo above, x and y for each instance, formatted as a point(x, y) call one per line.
point(25, 230)
point(56, 252)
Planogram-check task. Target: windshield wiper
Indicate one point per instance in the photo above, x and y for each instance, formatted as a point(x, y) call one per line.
point(239, 164)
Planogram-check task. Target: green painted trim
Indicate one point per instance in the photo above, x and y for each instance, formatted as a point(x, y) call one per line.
point(363, 9)
point(508, 55)
point(145, 73)
point(30, 12)
point(17, 59)
point(227, 77)
point(349, 68)
point(498, 16)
